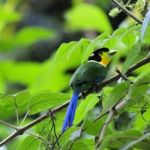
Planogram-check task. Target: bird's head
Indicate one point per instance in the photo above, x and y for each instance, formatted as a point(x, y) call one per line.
point(102, 55)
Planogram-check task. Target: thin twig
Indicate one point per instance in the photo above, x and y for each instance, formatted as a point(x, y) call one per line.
point(127, 11)
point(8, 124)
point(24, 118)
point(54, 127)
point(21, 130)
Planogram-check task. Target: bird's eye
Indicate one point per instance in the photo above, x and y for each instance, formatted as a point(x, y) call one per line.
point(91, 55)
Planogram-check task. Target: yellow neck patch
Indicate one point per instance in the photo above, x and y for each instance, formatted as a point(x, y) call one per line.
point(105, 59)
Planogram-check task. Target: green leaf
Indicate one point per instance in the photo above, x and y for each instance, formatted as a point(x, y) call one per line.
point(140, 86)
point(29, 143)
point(139, 94)
point(7, 15)
point(7, 102)
point(66, 138)
point(15, 100)
point(84, 144)
point(123, 121)
point(72, 49)
point(30, 35)
point(23, 72)
point(63, 50)
point(87, 17)
point(85, 106)
point(118, 92)
point(124, 38)
point(92, 128)
point(117, 139)
point(129, 38)
point(133, 56)
point(46, 100)
point(22, 98)
point(81, 46)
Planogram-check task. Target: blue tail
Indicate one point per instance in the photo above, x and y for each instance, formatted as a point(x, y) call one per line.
point(70, 111)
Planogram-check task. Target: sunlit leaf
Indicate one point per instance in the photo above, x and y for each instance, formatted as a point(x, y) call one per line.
point(141, 85)
point(134, 54)
point(15, 100)
point(117, 140)
point(46, 100)
point(20, 72)
point(29, 143)
point(7, 15)
point(117, 94)
point(66, 138)
point(86, 16)
point(30, 35)
point(85, 106)
point(82, 144)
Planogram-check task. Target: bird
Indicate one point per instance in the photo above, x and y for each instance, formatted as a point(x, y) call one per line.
point(86, 77)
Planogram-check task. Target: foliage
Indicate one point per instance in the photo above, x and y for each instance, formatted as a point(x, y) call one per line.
point(46, 84)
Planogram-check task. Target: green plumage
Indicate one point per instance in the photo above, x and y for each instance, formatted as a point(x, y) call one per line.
point(87, 76)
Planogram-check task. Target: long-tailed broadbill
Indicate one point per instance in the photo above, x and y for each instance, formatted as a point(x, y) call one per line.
point(86, 77)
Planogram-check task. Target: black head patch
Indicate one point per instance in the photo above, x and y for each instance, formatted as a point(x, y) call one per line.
point(96, 54)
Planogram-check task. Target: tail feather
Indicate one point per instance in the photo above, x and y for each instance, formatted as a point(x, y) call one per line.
point(73, 113)
point(70, 111)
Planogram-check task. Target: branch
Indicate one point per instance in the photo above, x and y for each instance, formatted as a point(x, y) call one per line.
point(127, 12)
point(102, 132)
point(22, 129)
point(32, 134)
point(112, 113)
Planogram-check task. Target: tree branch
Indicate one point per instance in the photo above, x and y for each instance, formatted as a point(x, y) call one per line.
point(103, 130)
point(127, 11)
point(112, 113)
point(22, 129)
